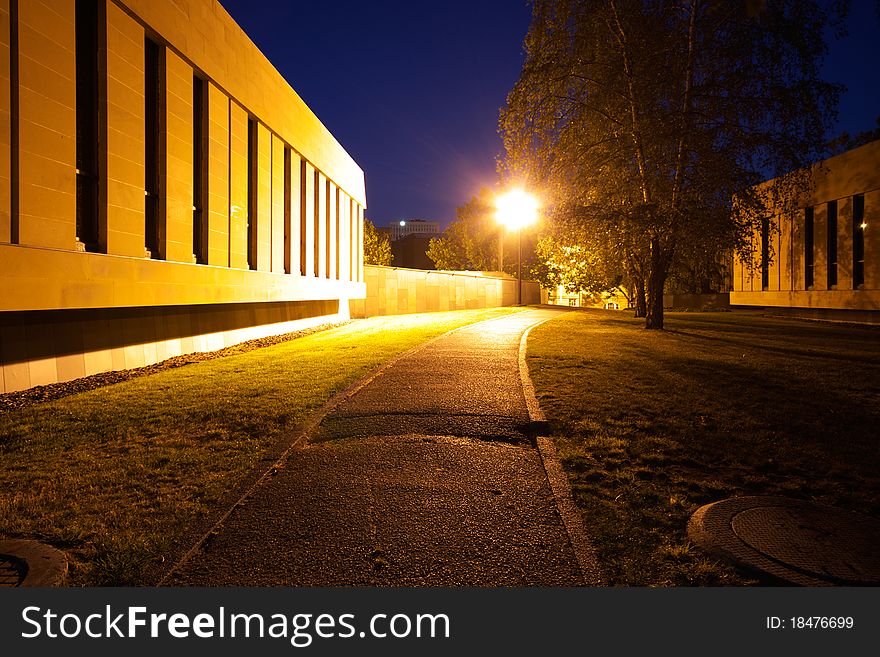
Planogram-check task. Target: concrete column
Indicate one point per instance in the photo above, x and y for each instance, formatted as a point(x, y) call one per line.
point(218, 177)
point(125, 134)
point(5, 125)
point(295, 212)
point(179, 158)
point(264, 198)
point(308, 222)
point(344, 237)
point(332, 230)
point(47, 123)
point(277, 205)
point(321, 225)
point(238, 186)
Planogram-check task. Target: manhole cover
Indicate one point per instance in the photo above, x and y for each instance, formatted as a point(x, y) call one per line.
point(12, 571)
point(30, 563)
point(795, 540)
point(828, 545)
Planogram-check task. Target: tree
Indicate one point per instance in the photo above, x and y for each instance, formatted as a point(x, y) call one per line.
point(377, 246)
point(471, 242)
point(575, 260)
point(652, 121)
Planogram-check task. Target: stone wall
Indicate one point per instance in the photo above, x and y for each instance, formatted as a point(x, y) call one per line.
point(395, 291)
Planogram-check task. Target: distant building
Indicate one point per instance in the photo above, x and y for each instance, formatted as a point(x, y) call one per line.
point(411, 252)
point(401, 229)
point(615, 299)
point(826, 261)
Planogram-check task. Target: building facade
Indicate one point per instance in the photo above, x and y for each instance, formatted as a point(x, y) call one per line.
point(822, 261)
point(163, 190)
point(402, 229)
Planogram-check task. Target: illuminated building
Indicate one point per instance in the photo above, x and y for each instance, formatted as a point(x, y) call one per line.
point(163, 190)
point(823, 260)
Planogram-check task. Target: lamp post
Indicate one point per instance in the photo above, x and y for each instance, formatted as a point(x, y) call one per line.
point(516, 209)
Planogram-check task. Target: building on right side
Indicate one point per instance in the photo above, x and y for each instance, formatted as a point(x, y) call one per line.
point(825, 261)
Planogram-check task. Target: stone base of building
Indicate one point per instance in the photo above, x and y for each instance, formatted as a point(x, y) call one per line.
point(52, 346)
point(843, 315)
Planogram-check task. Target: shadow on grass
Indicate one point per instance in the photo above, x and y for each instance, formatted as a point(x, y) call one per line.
point(650, 425)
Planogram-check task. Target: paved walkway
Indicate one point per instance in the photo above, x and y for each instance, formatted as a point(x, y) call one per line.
point(425, 477)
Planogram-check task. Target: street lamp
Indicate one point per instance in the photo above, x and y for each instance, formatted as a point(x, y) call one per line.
point(517, 209)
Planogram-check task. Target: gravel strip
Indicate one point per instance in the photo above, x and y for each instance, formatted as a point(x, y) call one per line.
point(15, 401)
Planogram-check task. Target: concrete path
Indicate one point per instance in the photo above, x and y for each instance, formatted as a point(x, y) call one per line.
point(425, 477)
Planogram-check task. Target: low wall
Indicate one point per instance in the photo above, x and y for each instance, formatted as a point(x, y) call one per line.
point(396, 291)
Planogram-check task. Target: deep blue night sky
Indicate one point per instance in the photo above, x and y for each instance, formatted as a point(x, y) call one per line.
point(412, 88)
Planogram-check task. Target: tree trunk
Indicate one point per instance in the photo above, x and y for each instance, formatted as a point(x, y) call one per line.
point(641, 306)
point(656, 282)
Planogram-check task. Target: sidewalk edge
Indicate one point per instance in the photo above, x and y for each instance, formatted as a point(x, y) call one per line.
point(558, 480)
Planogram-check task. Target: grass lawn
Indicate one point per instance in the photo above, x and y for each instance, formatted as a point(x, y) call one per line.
point(112, 476)
point(650, 425)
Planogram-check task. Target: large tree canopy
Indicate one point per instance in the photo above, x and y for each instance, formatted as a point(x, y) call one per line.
point(642, 120)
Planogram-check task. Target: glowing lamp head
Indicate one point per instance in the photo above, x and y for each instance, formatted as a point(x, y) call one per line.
point(516, 209)
point(403, 223)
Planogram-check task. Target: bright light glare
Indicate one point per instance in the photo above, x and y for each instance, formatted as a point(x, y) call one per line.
point(516, 209)
point(403, 223)
point(863, 226)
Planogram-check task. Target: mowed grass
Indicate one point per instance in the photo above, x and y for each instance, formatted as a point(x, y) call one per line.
point(650, 425)
point(112, 476)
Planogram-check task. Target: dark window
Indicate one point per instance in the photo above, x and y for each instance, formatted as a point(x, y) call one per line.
point(200, 170)
point(252, 195)
point(765, 253)
point(87, 125)
point(808, 248)
point(287, 200)
point(858, 240)
point(154, 91)
point(832, 243)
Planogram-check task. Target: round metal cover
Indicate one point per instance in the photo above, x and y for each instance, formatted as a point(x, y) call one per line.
point(795, 540)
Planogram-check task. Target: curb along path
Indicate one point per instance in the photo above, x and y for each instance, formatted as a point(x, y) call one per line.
point(424, 476)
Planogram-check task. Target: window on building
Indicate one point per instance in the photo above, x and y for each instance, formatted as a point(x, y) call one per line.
point(252, 194)
point(200, 170)
point(87, 123)
point(808, 248)
point(859, 240)
point(765, 253)
point(287, 200)
point(832, 244)
point(154, 90)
